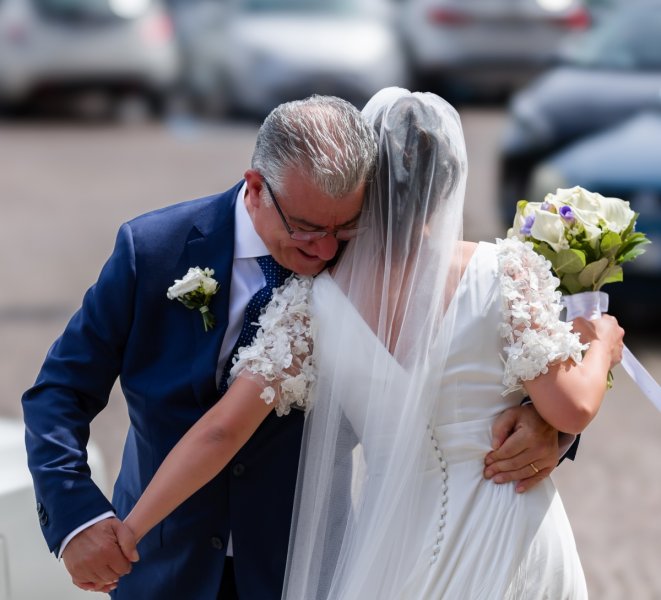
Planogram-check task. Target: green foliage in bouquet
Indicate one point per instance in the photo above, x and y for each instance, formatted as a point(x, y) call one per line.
point(584, 235)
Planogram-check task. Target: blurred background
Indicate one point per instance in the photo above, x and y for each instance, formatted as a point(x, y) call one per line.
point(110, 108)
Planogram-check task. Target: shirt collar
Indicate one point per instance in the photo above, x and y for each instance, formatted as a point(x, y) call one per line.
point(247, 243)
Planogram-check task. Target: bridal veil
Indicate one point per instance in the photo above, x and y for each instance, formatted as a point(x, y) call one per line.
point(382, 326)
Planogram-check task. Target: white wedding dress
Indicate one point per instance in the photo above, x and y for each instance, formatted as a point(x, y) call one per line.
point(474, 539)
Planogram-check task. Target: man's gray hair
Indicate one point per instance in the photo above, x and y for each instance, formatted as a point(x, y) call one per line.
point(323, 137)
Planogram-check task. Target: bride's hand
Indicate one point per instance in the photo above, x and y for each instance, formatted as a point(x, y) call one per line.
point(128, 543)
point(525, 448)
point(605, 330)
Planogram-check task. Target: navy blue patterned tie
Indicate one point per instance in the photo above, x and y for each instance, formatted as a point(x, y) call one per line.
point(275, 276)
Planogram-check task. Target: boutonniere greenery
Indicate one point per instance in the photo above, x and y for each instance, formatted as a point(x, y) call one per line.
point(195, 291)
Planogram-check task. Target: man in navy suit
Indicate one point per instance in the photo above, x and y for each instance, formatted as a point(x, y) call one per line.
point(302, 194)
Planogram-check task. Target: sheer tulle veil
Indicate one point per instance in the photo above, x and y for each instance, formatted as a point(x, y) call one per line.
point(357, 512)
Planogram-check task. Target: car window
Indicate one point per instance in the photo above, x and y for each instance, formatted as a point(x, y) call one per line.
point(496, 7)
point(302, 6)
point(90, 10)
point(623, 43)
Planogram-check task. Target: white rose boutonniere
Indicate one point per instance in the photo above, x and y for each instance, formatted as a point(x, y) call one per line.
point(195, 291)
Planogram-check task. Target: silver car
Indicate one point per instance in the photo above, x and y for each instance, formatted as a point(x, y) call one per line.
point(487, 45)
point(111, 47)
point(250, 55)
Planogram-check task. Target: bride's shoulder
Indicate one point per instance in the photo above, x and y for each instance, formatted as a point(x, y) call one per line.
point(465, 254)
point(467, 250)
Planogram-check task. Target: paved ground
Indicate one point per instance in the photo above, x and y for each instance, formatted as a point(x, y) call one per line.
point(64, 190)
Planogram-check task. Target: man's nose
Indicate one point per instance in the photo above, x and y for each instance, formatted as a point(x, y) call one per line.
point(325, 248)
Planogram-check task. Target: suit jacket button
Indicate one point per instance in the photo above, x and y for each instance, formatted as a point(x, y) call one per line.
point(43, 515)
point(217, 543)
point(238, 469)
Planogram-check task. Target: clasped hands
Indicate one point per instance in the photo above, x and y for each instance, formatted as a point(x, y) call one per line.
point(525, 450)
point(98, 556)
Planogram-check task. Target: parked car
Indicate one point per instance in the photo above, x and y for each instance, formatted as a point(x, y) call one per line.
point(250, 55)
point(601, 9)
point(112, 48)
point(610, 74)
point(486, 45)
point(28, 571)
point(623, 161)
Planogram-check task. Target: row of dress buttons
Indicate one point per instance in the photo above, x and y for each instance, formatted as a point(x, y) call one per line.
point(43, 515)
point(444, 495)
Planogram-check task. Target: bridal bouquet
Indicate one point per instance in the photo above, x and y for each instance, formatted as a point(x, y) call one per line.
point(584, 235)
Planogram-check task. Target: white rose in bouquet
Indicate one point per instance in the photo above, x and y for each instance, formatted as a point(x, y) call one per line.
point(549, 227)
point(591, 208)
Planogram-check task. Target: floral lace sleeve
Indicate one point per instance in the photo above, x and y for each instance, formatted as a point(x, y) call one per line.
point(535, 335)
point(280, 356)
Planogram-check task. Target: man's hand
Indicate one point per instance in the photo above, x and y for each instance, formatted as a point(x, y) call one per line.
point(525, 448)
point(94, 557)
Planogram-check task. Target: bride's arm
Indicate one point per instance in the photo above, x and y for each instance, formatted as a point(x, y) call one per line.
point(569, 395)
point(201, 454)
point(544, 355)
point(275, 372)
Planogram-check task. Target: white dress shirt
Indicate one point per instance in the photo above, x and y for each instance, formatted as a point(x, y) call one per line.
point(247, 277)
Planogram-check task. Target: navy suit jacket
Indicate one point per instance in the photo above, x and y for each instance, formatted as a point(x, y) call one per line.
point(166, 364)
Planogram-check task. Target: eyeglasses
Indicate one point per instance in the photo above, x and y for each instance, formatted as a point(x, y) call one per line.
point(308, 236)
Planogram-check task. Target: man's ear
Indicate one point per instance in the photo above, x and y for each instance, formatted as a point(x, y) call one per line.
point(254, 183)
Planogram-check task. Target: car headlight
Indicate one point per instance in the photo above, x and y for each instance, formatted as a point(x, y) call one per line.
point(129, 9)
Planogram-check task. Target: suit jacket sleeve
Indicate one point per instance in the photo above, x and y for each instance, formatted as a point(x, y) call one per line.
point(72, 387)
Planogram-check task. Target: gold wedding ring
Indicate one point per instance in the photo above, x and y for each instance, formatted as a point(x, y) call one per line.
point(534, 468)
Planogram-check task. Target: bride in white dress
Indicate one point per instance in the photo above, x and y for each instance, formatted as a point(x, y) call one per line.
point(420, 342)
point(407, 352)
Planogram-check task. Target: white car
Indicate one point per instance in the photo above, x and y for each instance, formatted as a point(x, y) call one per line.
point(28, 571)
point(115, 48)
point(487, 45)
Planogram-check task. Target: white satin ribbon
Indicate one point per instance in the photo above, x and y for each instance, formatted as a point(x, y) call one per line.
point(590, 305)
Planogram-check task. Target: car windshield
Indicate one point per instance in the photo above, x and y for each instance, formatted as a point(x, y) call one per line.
point(305, 6)
point(628, 42)
point(90, 10)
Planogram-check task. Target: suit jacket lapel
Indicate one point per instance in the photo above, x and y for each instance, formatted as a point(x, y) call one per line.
point(212, 245)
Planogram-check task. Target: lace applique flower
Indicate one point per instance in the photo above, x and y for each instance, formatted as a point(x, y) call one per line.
point(281, 353)
point(536, 336)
